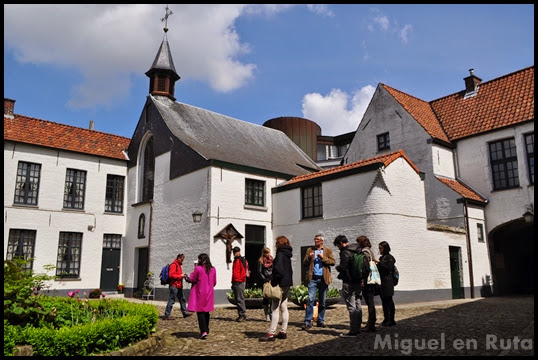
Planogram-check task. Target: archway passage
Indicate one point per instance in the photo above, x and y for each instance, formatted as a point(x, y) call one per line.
point(512, 258)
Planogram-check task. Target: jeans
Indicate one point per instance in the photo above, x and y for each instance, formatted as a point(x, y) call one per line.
point(175, 292)
point(277, 307)
point(239, 296)
point(351, 292)
point(316, 284)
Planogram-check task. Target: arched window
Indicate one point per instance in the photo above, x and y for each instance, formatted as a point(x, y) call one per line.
point(141, 226)
point(149, 171)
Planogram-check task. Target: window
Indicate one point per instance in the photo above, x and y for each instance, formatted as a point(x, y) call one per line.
point(69, 252)
point(383, 142)
point(141, 226)
point(114, 193)
point(21, 244)
point(75, 187)
point(112, 241)
point(504, 164)
point(149, 169)
point(529, 147)
point(27, 184)
point(480, 232)
point(254, 192)
point(312, 201)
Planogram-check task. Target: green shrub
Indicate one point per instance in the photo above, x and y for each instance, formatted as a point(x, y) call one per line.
point(300, 293)
point(253, 293)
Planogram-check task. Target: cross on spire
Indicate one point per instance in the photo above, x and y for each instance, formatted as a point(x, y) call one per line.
point(165, 18)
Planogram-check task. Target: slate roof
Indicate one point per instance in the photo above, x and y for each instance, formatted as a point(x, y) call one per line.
point(223, 138)
point(385, 160)
point(461, 189)
point(58, 136)
point(502, 102)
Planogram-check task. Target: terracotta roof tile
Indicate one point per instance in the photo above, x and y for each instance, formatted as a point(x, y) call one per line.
point(421, 111)
point(461, 189)
point(498, 103)
point(49, 134)
point(382, 159)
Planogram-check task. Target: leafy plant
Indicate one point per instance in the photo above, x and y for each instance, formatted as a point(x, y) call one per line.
point(300, 293)
point(95, 294)
point(253, 293)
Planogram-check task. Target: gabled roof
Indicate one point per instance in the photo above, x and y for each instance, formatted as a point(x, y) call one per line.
point(383, 160)
point(222, 138)
point(498, 103)
point(461, 189)
point(53, 135)
point(421, 111)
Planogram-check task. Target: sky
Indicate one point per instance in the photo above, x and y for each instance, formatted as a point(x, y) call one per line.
point(76, 63)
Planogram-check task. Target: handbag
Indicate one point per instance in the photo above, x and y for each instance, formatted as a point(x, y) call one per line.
point(374, 277)
point(272, 292)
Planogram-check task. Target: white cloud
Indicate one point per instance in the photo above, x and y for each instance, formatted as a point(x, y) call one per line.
point(383, 22)
point(335, 113)
point(404, 33)
point(103, 41)
point(320, 9)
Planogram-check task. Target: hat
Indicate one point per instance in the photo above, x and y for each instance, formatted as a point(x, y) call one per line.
point(236, 249)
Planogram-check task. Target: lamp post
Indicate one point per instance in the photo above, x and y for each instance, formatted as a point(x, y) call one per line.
point(197, 216)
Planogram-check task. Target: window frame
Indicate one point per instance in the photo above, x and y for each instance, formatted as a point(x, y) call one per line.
point(312, 203)
point(67, 259)
point(114, 193)
point(480, 232)
point(254, 191)
point(383, 142)
point(504, 167)
point(22, 239)
point(530, 155)
point(72, 186)
point(25, 186)
point(141, 226)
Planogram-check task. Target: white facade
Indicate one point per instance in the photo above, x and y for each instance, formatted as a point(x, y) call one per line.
point(49, 218)
point(385, 205)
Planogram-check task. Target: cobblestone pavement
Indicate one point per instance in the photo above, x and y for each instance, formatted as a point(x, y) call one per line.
point(469, 327)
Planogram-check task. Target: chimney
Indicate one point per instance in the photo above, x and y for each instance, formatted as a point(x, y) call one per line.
point(471, 82)
point(91, 124)
point(9, 105)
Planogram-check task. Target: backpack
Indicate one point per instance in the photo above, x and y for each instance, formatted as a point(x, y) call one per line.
point(395, 275)
point(165, 280)
point(245, 264)
point(359, 266)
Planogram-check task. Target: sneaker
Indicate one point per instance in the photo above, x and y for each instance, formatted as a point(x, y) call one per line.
point(241, 318)
point(306, 327)
point(267, 337)
point(322, 325)
point(203, 336)
point(187, 315)
point(349, 335)
point(281, 335)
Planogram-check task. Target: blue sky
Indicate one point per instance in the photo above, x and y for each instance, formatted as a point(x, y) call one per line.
point(75, 63)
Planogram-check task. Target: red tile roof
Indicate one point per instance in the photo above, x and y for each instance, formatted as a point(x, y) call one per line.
point(461, 189)
point(421, 111)
point(381, 159)
point(498, 103)
point(49, 134)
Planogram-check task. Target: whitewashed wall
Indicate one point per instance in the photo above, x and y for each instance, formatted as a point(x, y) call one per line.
point(49, 217)
point(474, 168)
point(385, 206)
point(228, 206)
point(443, 161)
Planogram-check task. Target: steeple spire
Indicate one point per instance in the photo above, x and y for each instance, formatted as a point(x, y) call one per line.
point(162, 73)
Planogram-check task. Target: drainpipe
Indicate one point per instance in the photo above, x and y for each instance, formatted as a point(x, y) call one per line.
point(149, 233)
point(469, 253)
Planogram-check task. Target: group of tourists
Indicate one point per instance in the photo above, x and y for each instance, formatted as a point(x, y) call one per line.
point(278, 270)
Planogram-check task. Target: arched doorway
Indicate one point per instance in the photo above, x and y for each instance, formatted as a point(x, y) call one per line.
point(512, 258)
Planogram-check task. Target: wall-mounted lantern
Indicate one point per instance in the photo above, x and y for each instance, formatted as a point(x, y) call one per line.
point(197, 216)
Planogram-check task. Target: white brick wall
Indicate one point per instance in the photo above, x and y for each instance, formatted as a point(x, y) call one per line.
point(49, 218)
